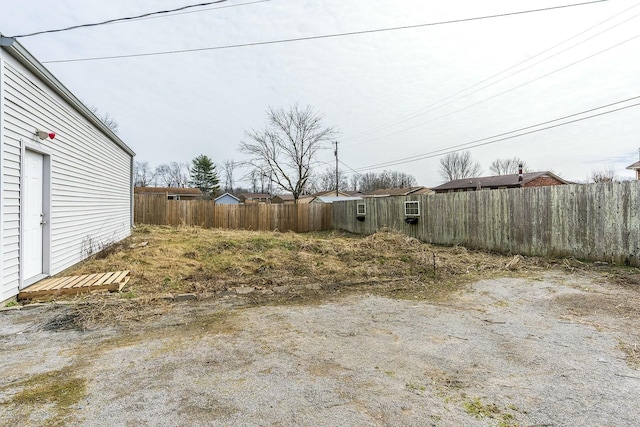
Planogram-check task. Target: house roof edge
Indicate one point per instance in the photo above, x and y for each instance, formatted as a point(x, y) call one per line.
point(22, 55)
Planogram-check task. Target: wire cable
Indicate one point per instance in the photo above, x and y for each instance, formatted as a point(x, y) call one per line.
point(519, 130)
point(500, 93)
point(501, 137)
point(111, 21)
point(198, 11)
point(324, 36)
point(458, 95)
point(349, 167)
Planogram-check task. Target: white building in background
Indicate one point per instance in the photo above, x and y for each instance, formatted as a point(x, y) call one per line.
point(65, 178)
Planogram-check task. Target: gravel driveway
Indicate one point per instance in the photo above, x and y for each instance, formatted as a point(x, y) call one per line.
point(557, 350)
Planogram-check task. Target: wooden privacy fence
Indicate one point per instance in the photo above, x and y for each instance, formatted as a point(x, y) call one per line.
point(157, 210)
point(598, 222)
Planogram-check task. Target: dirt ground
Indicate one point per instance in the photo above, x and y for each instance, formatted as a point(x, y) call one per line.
point(553, 349)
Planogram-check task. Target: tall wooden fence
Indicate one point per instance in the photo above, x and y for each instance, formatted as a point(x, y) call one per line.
point(157, 210)
point(599, 222)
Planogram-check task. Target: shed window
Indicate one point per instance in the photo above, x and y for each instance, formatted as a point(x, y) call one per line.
point(361, 209)
point(412, 208)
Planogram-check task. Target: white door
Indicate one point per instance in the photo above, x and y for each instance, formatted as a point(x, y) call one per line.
point(33, 215)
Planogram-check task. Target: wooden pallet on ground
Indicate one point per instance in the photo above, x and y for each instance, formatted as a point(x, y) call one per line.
point(113, 281)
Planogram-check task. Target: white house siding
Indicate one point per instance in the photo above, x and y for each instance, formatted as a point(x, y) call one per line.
point(90, 175)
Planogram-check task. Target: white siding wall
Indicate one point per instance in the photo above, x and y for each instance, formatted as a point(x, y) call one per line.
point(90, 176)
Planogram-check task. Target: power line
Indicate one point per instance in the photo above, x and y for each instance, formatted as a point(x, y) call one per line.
point(325, 36)
point(516, 130)
point(458, 95)
point(202, 10)
point(499, 140)
point(502, 136)
point(503, 92)
point(349, 167)
point(111, 21)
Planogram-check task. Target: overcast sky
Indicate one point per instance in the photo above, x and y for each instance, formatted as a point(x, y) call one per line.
point(391, 95)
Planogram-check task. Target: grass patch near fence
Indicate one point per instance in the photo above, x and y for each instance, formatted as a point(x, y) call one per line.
point(178, 260)
point(193, 259)
point(289, 268)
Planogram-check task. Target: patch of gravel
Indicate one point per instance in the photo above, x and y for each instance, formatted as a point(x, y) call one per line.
point(507, 352)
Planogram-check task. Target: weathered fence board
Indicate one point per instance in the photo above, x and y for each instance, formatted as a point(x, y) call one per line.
point(158, 210)
point(599, 222)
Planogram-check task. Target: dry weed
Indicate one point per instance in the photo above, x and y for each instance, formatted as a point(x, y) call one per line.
point(192, 259)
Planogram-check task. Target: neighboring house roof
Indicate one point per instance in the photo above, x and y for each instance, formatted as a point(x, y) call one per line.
point(170, 190)
point(499, 181)
point(17, 51)
point(283, 197)
point(250, 196)
point(331, 199)
point(635, 166)
point(227, 196)
point(306, 199)
point(386, 192)
point(330, 193)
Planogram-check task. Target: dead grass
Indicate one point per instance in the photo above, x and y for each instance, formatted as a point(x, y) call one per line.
point(192, 259)
point(596, 304)
point(58, 390)
point(209, 262)
point(632, 354)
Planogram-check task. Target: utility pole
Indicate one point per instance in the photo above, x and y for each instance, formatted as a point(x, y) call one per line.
point(335, 152)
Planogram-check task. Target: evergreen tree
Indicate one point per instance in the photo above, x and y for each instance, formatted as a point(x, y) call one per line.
point(204, 175)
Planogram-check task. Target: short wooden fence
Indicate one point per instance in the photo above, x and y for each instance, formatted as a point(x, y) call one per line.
point(598, 222)
point(158, 210)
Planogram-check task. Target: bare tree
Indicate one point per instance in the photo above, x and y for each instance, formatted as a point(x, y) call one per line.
point(355, 180)
point(253, 178)
point(228, 168)
point(459, 165)
point(143, 176)
point(606, 174)
point(174, 174)
point(371, 181)
point(400, 179)
point(240, 190)
point(285, 149)
point(326, 181)
point(508, 166)
point(259, 181)
point(105, 118)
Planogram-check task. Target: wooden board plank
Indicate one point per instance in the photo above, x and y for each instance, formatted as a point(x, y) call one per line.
point(72, 280)
point(70, 283)
point(80, 283)
point(111, 281)
point(58, 292)
point(111, 278)
point(123, 283)
point(46, 283)
point(121, 275)
point(103, 279)
point(91, 278)
point(93, 281)
point(51, 282)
